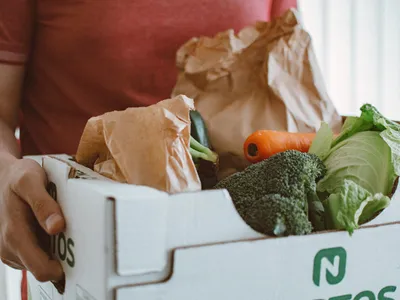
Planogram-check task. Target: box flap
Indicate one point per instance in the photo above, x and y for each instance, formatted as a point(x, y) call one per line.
point(205, 217)
point(140, 221)
point(141, 230)
point(84, 210)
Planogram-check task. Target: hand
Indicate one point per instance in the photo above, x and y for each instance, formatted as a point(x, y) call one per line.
point(28, 215)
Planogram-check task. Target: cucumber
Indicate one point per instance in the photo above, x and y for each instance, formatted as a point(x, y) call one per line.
point(198, 129)
point(207, 170)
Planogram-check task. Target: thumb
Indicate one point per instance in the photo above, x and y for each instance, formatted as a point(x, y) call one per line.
point(31, 188)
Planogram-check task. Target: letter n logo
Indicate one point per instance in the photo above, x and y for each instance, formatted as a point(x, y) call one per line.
point(330, 262)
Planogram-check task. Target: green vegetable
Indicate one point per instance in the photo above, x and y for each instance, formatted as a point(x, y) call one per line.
point(352, 205)
point(275, 195)
point(198, 152)
point(362, 163)
point(372, 119)
point(283, 215)
point(198, 129)
point(322, 142)
point(206, 162)
point(364, 158)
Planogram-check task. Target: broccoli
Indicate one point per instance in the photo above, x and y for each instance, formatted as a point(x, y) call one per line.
point(276, 195)
point(284, 215)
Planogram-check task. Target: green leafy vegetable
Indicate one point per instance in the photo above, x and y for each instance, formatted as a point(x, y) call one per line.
point(322, 141)
point(364, 158)
point(392, 138)
point(372, 120)
point(316, 212)
point(362, 164)
point(352, 204)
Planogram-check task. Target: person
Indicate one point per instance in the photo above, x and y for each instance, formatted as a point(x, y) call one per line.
point(62, 62)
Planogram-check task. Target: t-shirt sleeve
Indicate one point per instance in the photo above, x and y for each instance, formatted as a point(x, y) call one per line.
point(280, 6)
point(16, 26)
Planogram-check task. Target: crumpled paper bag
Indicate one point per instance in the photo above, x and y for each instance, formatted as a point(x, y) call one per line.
point(143, 146)
point(265, 77)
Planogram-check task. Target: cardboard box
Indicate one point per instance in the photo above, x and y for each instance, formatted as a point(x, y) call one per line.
point(128, 242)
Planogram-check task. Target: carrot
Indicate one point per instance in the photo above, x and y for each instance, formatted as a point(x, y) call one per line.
point(262, 144)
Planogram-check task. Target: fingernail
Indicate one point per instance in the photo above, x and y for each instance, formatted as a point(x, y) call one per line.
point(60, 284)
point(53, 221)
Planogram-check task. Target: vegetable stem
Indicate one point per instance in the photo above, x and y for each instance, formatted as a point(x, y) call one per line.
point(197, 150)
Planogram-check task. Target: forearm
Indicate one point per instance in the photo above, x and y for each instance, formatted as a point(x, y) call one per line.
point(8, 142)
point(11, 83)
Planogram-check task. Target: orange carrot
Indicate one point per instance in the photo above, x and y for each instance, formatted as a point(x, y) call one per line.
point(262, 144)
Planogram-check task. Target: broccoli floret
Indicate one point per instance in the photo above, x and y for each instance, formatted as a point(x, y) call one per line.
point(293, 174)
point(288, 178)
point(285, 217)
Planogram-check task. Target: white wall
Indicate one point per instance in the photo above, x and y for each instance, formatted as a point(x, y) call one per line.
point(357, 43)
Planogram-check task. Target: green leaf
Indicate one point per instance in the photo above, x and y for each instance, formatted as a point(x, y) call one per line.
point(369, 113)
point(321, 144)
point(371, 119)
point(364, 158)
point(352, 126)
point(374, 205)
point(316, 213)
point(392, 138)
point(351, 206)
point(349, 123)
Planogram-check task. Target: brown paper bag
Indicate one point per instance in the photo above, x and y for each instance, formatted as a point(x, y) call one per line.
point(144, 146)
point(266, 77)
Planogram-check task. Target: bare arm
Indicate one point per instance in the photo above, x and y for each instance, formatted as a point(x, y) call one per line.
point(11, 82)
point(23, 193)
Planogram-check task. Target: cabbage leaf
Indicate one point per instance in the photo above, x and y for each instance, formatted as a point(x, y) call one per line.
point(362, 163)
point(352, 205)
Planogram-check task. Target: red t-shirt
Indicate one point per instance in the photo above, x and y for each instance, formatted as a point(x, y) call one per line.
point(87, 57)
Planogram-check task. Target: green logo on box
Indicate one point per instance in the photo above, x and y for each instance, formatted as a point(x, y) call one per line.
point(330, 262)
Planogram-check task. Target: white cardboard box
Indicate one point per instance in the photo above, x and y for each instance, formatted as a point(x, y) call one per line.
point(128, 242)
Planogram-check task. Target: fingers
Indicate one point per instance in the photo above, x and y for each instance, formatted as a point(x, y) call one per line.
point(40, 264)
point(29, 185)
point(12, 261)
point(35, 259)
point(12, 264)
point(28, 215)
point(20, 250)
point(8, 258)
